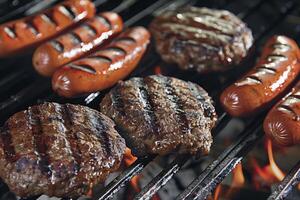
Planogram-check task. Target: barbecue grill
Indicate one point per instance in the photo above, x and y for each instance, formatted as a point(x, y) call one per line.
point(20, 87)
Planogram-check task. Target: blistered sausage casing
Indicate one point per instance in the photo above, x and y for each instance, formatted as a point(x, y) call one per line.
point(105, 67)
point(82, 40)
point(26, 33)
point(282, 123)
point(277, 67)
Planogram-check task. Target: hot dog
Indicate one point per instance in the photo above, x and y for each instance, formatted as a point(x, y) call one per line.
point(282, 123)
point(18, 35)
point(82, 40)
point(277, 68)
point(104, 68)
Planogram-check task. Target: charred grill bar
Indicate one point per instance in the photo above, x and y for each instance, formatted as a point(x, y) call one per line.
point(138, 12)
point(289, 182)
point(205, 184)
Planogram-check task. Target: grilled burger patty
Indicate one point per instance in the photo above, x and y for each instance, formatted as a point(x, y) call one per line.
point(159, 114)
point(201, 39)
point(58, 150)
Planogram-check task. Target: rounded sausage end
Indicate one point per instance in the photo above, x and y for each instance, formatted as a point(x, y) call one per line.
point(280, 129)
point(61, 84)
point(42, 61)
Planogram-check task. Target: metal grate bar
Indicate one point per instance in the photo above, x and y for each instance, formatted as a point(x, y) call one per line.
point(112, 188)
point(285, 187)
point(204, 184)
point(162, 178)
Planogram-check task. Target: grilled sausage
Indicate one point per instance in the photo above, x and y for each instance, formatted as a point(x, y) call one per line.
point(277, 68)
point(82, 40)
point(19, 35)
point(282, 123)
point(104, 68)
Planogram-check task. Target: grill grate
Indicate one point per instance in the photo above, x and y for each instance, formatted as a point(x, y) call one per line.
point(21, 87)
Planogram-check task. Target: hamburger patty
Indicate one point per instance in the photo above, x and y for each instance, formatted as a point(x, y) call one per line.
point(159, 115)
point(201, 39)
point(58, 150)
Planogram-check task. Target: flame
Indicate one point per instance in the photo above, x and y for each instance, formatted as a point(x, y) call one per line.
point(277, 172)
point(269, 174)
point(90, 191)
point(217, 192)
point(238, 181)
point(157, 70)
point(128, 158)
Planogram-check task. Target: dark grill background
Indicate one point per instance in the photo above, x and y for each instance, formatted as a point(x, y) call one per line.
point(20, 86)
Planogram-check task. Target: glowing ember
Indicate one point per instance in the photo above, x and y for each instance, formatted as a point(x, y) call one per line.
point(128, 158)
point(90, 191)
point(157, 70)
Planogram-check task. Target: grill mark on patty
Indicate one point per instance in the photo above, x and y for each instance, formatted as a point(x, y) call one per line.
point(8, 147)
point(117, 101)
point(201, 96)
point(177, 104)
point(71, 137)
point(149, 106)
point(192, 33)
point(101, 132)
point(36, 126)
point(204, 20)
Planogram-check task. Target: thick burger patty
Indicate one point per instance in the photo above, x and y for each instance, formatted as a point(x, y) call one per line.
point(58, 150)
point(201, 39)
point(159, 115)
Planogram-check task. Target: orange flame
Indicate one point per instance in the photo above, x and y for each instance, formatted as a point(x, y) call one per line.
point(268, 174)
point(90, 191)
point(276, 171)
point(217, 192)
point(128, 157)
point(238, 180)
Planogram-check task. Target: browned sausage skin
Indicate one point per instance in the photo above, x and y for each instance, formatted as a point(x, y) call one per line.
point(277, 68)
point(104, 68)
point(282, 123)
point(82, 40)
point(18, 35)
